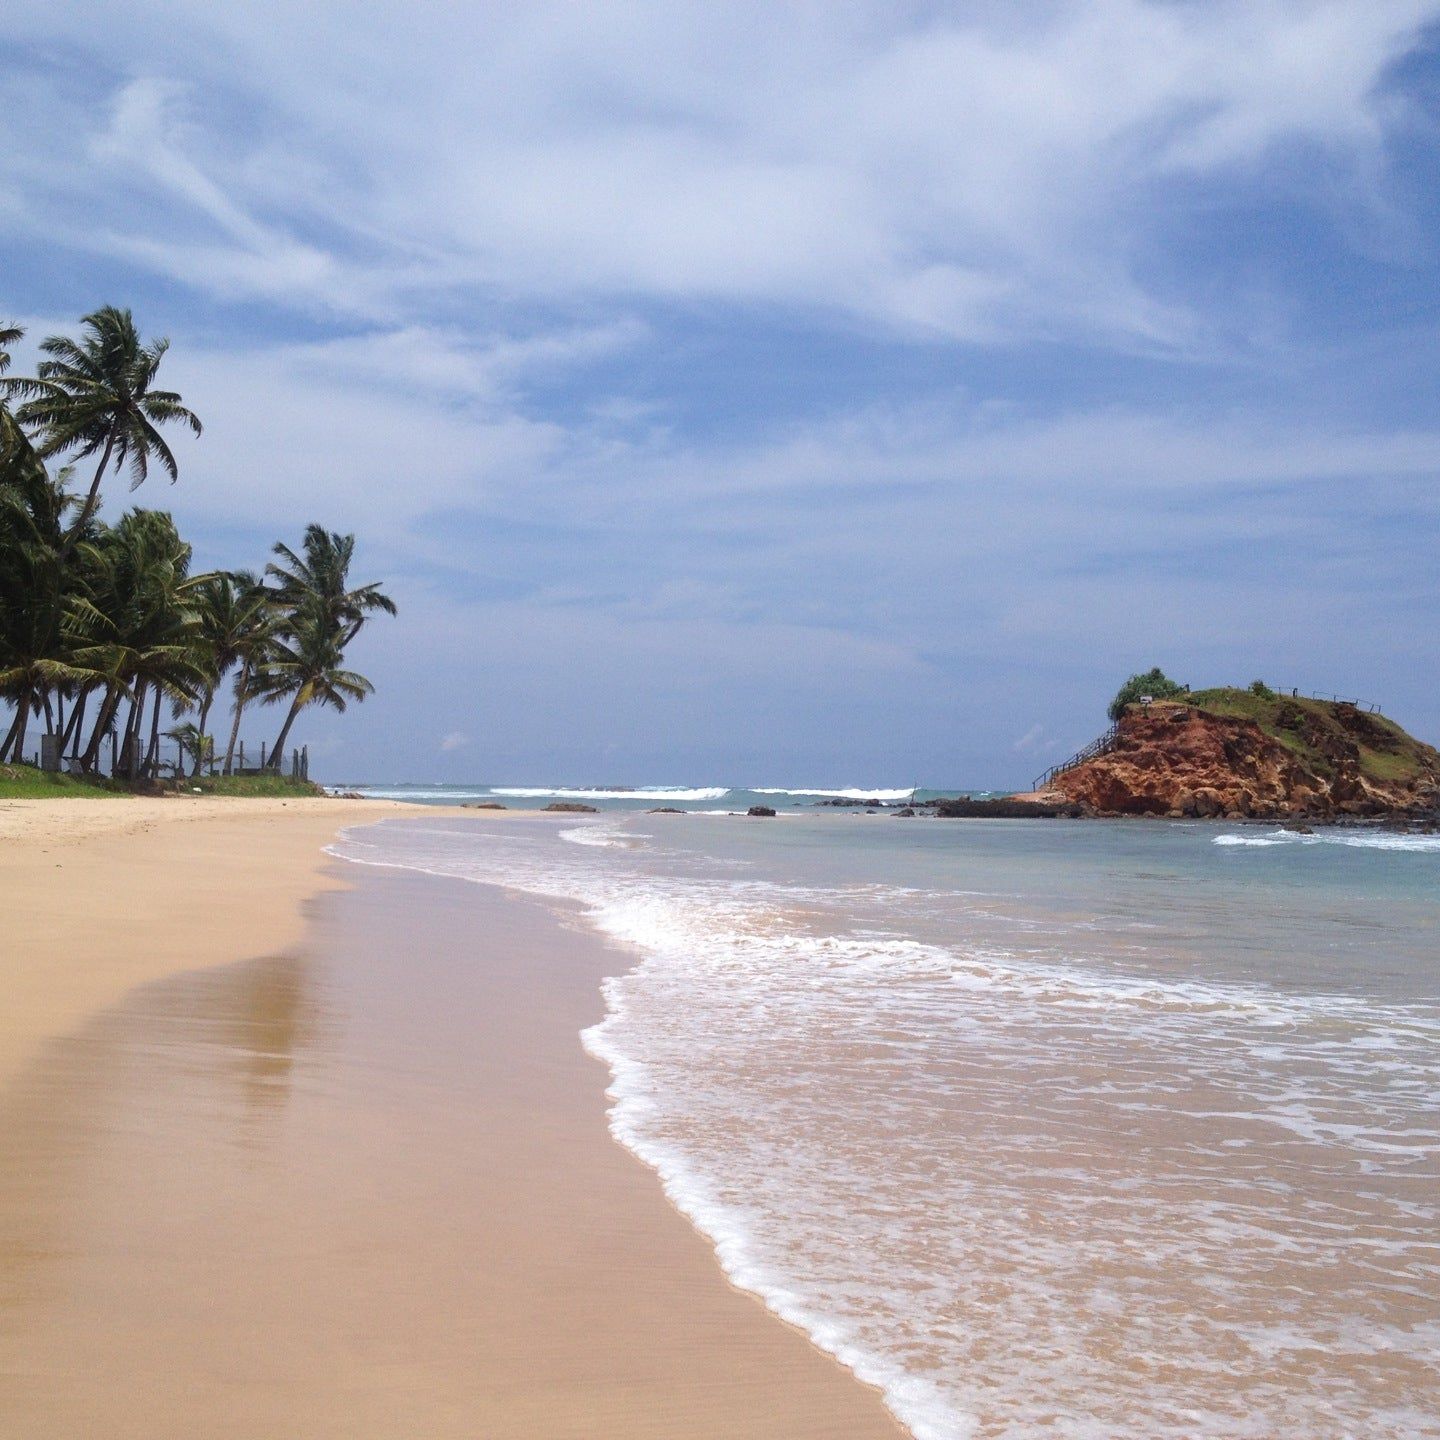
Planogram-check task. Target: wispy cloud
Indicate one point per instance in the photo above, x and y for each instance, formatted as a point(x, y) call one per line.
point(986, 176)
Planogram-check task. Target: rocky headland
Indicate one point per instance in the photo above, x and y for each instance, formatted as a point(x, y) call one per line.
point(1240, 754)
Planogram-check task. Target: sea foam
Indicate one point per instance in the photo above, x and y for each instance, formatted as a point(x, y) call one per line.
point(1015, 1184)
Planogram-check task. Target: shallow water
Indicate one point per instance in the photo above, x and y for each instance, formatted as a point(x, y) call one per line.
point(1046, 1128)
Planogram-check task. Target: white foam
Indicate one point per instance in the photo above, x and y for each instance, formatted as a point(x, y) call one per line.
point(1356, 840)
point(862, 1122)
point(644, 792)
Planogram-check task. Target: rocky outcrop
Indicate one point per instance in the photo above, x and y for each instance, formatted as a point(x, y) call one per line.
point(763, 811)
point(570, 807)
point(1005, 808)
point(1284, 758)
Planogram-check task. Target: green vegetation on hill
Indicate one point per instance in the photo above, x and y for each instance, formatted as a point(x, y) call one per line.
point(1154, 682)
point(1320, 732)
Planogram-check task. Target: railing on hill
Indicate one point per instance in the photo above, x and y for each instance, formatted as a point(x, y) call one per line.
point(1101, 745)
point(1368, 705)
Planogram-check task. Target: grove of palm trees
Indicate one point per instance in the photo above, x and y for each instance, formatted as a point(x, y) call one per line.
point(108, 641)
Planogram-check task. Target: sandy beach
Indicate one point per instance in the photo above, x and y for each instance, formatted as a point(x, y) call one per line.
point(292, 1148)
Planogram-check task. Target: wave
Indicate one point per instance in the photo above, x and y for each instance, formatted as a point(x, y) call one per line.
point(1414, 844)
point(642, 792)
point(830, 1185)
point(418, 792)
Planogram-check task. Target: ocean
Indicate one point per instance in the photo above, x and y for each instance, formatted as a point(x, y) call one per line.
point(1088, 1129)
point(704, 799)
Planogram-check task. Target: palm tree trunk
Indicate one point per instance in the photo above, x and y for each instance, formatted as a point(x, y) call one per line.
point(200, 744)
point(16, 739)
point(88, 508)
point(17, 731)
point(152, 753)
point(130, 746)
point(77, 719)
point(284, 733)
point(90, 759)
point(240, 698)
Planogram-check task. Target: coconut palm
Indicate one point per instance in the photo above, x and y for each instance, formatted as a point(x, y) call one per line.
point(259, 623)
point(38, 595)
point(225, 605)
point(143, 631)
point(323, 615)
point(321, 577)
point(97, 396)
point(306, 666)
point(11, 435)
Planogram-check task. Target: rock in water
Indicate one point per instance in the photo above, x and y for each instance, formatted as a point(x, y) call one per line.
point(762, 810)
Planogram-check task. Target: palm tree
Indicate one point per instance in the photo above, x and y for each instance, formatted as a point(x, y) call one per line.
point(11, 435)
point(252, 642)
point(306, 666)
point(96, 395)
point(38, 597)
point(142, 630)
point(225, 605)
point(320, 578)
point(323, 615)
point(194, 742)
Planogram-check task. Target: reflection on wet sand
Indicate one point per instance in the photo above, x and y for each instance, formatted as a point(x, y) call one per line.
point(220, 1043)
point(367, 1192)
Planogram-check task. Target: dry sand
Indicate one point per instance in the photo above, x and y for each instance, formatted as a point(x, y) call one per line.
point(356, 1185)
point(98, 896)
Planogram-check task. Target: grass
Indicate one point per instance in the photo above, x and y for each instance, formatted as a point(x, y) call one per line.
point(252, 785)
point(25, 782)
point(1385, 752)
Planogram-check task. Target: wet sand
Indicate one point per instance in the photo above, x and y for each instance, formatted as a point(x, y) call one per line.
point(360, 1186)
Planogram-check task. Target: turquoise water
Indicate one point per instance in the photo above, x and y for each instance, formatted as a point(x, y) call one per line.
point(1070, 1128)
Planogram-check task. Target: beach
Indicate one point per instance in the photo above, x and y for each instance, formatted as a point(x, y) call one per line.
point(292, 1147)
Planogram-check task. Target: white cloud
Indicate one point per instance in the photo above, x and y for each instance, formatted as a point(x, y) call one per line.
point(980, 175)
point(455, 740)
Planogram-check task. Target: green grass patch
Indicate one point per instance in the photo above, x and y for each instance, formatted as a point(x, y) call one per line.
point(25, 782)
point(1384, 751)
point(251, 785)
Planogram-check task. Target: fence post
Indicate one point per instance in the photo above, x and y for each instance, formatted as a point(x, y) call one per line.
point(262, 754)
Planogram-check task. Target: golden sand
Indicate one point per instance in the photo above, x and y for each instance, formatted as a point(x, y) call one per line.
point(353, 1186)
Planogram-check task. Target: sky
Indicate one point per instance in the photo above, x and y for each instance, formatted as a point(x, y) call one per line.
point(836, 393)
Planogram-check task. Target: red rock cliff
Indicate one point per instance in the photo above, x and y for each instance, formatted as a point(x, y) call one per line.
point(1180, 759)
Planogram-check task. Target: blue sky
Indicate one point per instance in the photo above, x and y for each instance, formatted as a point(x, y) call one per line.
point(844, 393)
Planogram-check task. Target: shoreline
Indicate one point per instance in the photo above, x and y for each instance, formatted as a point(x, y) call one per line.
point(410, 1068)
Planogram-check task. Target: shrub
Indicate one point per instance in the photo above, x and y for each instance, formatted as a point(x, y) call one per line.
point(1260, 688)
point(1154, 682)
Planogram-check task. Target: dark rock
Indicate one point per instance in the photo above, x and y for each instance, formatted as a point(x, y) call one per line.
point(962, 808)
point(761, 810)
point(906, 813)
point(483, 805)
point(570, 807)
point(665, 810)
